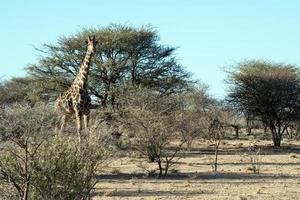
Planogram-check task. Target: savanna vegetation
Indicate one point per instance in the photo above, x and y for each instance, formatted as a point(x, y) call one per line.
point(145, 105)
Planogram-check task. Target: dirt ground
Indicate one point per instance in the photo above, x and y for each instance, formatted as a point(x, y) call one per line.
point(192, 176)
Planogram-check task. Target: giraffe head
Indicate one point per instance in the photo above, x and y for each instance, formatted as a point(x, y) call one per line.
point(91, 42)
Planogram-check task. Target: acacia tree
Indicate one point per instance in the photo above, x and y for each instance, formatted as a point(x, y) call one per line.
point(123, 55)
point(269, 92)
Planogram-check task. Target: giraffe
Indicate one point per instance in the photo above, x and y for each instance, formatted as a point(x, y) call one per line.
point(76, 100)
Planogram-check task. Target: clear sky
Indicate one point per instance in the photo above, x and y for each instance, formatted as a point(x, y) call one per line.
point(210, 34)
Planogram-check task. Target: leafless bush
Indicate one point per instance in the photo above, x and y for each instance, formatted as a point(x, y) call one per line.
point(215, 120)
point(190, 126)
point(151, 119)
point(254, 154)
point(153, 136)
point(190, 119)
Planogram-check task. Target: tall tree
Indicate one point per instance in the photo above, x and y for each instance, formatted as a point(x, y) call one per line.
point(124, 55)
point(268, 91)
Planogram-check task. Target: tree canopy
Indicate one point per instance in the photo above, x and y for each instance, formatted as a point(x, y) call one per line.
point(268, 91)
point(124, 55)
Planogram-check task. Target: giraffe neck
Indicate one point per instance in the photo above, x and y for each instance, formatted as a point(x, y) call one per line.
point(82, 77)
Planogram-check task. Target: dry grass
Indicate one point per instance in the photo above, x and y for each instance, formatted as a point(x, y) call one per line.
point(279, 176)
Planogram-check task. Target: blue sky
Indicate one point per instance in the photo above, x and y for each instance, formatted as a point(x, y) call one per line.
point(209, 34)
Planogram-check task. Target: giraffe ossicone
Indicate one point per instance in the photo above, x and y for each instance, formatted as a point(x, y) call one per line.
point(76, 99)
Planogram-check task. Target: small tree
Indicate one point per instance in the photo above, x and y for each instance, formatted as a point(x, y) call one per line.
point(215, 131)
point(152, 121)
point(269, 92)
point(153, 136)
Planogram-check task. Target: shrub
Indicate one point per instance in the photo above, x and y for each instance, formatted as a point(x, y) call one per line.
point(152, 120)
point(22, 130)
point(63, 170)
point(36, 164)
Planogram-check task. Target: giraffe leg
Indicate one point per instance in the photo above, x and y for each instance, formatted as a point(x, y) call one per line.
point(79, 125)
point(86, 119)
point(63, 121)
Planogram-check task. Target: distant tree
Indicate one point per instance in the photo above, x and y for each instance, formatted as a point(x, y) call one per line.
point(22, 90)
point(124, 55)
point(269, 92)
point(233, 118)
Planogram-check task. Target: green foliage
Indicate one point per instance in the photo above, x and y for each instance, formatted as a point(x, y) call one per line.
point(269, 92)
point(261, 68)
point(57, 168)
point(64, 171)
point(22, 90)
point(11, 169)
point(36, 164)
point(124, 55)
point(7, 191)
point(23, 121)
point(22, 129)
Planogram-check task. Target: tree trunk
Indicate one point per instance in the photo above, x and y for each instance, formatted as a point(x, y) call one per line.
point(249, 128)
point(277, 142)
point(236, 130)
point(216, 160)
point(160, 167)
point(167, 167)
point(216, 156)
point(189, 145)
point(265, 130)
point(151, 155)
point(276, 137)
point(26, 190)
point(237, 135)
point(27, 173)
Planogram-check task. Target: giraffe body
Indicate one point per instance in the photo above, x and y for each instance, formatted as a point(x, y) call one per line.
point(76, 100)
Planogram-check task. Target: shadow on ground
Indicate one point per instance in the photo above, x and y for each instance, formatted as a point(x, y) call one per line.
point(248, 163)
point(191, 178)
point(197, 176)
point(146, 192)
point(265, 150)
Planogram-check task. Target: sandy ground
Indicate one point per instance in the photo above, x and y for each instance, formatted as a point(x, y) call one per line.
point(278, 177)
